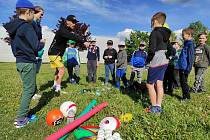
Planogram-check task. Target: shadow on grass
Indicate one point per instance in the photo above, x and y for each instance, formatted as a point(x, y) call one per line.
point(44, 100)
point(138, 92)
point(174, 95)
point(46, 85)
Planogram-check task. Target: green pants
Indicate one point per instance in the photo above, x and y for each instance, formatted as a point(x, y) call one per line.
point(27, 73)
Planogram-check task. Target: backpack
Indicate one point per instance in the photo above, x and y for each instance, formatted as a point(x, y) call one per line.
point(138, 61)
point(171, 51)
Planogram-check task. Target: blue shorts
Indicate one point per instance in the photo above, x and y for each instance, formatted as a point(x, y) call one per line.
point(156, 73)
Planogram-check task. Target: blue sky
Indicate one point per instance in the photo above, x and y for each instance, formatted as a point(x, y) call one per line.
point(108, 17)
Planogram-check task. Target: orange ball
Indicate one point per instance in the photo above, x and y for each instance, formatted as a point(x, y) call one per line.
point(54, 117)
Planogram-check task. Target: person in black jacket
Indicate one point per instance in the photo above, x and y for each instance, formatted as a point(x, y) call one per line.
point(58, 46)
point(157, 61)
point(93, 57)
point(24, 43)
point(109, 56)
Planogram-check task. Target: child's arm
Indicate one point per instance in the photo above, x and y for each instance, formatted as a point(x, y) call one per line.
point(152, 47)
point(98, 53)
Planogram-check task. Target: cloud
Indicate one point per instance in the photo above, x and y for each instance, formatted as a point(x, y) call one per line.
point(124, 34)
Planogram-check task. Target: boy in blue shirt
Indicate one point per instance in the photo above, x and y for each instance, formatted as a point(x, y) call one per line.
point(138, 60)
point(24, 43)
point(186, 60)
point(72, 61)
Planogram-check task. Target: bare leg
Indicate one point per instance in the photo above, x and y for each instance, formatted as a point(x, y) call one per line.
point(152, 94)
point(60, 75)
point(160, 92)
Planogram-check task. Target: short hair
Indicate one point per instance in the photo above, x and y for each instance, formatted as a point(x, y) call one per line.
point(21, 11)
point(203, 33)
point(160, 17)
point(38, 9)
point(188, 31)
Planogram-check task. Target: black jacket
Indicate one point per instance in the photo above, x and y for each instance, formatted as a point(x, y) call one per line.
point(24, 41)
point(110, 52)
point(158, 40)
point(63, 34)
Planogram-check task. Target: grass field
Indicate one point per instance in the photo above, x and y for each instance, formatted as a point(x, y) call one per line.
point(180, 120)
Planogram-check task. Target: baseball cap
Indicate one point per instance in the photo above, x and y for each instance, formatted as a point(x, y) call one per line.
point(72, 18)
point(142, 43)
point(71, 42)
point(24, 4)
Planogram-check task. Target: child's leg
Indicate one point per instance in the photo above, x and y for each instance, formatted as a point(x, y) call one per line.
point(176, 77)
point(94, 67)
point(118, 74)
point(112, 69)
point(89, 69)
point(70, 71)
point(123, 77)
point(77, 71)
point(184, 84)
point(59, 78)
point(139, 75)
point(159, 90)
point(27, 73)
point(199, 75)
point(106, 73)
point(132, 77)
point(152, 93)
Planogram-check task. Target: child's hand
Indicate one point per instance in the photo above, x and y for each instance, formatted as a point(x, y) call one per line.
point(87, 44)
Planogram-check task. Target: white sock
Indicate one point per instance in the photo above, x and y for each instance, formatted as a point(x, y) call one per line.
point(54, 83)
point(158, 105)
point(58, 86)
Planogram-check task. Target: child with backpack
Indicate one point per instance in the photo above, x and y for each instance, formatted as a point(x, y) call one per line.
point(138, 60)
point(202, 59)
point(72, 61)
point(186, 60)
point(121, 66)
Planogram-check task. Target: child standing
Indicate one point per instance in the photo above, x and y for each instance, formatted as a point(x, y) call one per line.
point(202, 59)
point(93, 57)
point(138, 61)
point(24, 47)
point(121, 66)
point(177, 46)
point(72, 61)
point(109, 56)
point(186, 60)
point(158, 42)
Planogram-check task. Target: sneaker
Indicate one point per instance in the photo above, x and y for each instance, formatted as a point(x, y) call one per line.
point(36, 96)
point(159, 109)
point(152, 109)
point(58, 89)
point(53, 87)
point(21, 122)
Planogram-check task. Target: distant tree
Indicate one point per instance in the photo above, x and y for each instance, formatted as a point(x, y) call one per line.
point(199, 27)
point(173, 37)
point(133, 42)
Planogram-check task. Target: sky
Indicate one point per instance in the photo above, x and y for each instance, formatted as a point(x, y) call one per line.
point(109, 17)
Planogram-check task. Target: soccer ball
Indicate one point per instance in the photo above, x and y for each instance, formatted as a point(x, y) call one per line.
point(67, 107)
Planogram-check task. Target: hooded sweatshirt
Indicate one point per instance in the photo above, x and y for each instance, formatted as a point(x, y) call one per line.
point(158, 40)
point(24, 41)
point(63, 34)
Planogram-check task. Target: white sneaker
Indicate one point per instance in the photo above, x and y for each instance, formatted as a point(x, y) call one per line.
point(36, 96)
point(53, 87)
point(58, 89)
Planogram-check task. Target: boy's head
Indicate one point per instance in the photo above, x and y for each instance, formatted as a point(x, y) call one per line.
point(142, 45)
point(71, 21)
point(109, 43)
point(158, 19)
point(176, 44)
point(25, 10)
point(93, 42)
point(121, 46)
point(202, 38)
point(187, 33)
point(39, 13)
point(71, 43)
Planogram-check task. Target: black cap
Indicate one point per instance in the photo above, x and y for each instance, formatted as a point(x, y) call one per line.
point(72, 18)
point(109, 42)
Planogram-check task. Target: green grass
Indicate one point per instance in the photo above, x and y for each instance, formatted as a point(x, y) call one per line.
point(189, 120)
